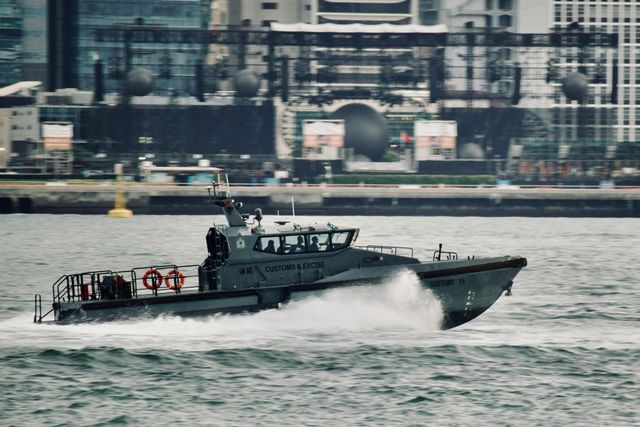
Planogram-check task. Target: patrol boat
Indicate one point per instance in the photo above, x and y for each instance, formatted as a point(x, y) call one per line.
point(251, 267)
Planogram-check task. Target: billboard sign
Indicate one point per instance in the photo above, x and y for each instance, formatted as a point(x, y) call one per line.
point(435, 139)
point(322, 139)
point(323, 132)
point(57, 135)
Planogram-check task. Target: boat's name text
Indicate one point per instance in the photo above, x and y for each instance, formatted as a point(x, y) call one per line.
point(446, 282)
point(296, 266)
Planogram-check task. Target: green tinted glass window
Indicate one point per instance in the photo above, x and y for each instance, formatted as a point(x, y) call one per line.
point(294, 244)
point(340, 239)
point(318, 242)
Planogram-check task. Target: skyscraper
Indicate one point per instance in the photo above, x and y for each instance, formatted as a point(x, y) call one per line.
point(75, 48)
point(10, 42)
point(621, 109)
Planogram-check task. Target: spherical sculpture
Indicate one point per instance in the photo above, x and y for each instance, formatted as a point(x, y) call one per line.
point(365, 130)
point(471, 151)
point(246, 83)
point(575, 86)
point(139, 82)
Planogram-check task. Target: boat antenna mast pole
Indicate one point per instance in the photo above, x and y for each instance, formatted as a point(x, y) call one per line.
point(228, 205)
point(293, 212)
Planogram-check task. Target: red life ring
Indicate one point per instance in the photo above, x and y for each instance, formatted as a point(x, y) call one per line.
point(158, 280)
point(172, 275)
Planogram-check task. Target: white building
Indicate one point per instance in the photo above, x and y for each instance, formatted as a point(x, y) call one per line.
point(515, 16)
point(263, 13)
point(17, 123)
point(398, 12)
point(607, 16)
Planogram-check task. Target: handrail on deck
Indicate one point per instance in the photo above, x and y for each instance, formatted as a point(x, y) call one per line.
point(87, 286)
point(75, 281)
point(437, 254)
point(393, 250)
point(135, 281)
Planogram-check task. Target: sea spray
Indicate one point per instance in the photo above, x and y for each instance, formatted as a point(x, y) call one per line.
point(562, 350)
point(400, 303)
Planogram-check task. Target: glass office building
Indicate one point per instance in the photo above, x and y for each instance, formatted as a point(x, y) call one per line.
point(76, 48)
point(10, 41)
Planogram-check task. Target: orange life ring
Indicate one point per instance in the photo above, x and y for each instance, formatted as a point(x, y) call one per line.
point(158, 281)
point(172, 275)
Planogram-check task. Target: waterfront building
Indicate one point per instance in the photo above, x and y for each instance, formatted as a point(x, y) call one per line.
point(621, 108)
point(260, 15)
point(23, 41)
point(34, 40)
point(75, 49)
point(397, 12)
point(10, 42)
point(251, 13)
point(219, 19)
point(19, 122)
point(483, 70)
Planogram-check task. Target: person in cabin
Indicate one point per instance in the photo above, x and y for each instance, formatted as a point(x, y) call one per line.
point(313, 247)
point(270, 247)
point(299, 248)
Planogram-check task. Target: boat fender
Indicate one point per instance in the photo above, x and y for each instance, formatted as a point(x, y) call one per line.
point(154, 284)
point(172, 275)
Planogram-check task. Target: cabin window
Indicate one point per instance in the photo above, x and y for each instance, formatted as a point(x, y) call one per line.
point(340, 240)
point(268, 244)
point(318, 242)
point(301, 243)
point(294, 244)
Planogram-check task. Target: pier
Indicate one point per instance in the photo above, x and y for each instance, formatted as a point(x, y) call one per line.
point(328, 200)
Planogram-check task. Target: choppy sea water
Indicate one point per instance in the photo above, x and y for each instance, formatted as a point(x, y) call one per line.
point(564, 349)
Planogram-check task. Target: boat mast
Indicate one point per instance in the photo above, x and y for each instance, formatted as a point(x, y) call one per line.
point(222, 198)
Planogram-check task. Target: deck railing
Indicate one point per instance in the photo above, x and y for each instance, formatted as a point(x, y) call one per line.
point(448, 255)
point(393, 250)
point(125, 284)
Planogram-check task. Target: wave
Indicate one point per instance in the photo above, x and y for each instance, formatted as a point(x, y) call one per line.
point(399, 304)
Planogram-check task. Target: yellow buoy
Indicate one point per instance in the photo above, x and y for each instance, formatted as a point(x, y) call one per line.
point(120, 208)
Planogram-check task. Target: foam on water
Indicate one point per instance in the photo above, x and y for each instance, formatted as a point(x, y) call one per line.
point(563, 349)
point(401, 303)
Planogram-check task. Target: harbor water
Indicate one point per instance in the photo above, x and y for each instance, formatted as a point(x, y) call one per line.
point(564, 349)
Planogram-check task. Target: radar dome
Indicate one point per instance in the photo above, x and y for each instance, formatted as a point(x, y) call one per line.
point(471, 151)
point(365, 130)
point(139, 82)
point(246, 83)
point(575, 85)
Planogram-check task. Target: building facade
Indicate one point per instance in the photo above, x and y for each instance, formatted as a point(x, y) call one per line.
point(486, 70)
point(621, 108)
point(34, 40)
point(10, 42)
point(75, 48)
point(398, 12)
point(251, 13)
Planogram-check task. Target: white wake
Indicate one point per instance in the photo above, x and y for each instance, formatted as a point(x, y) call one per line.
point(400, 304)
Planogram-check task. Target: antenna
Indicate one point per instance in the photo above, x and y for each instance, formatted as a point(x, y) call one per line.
point(293, 210)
